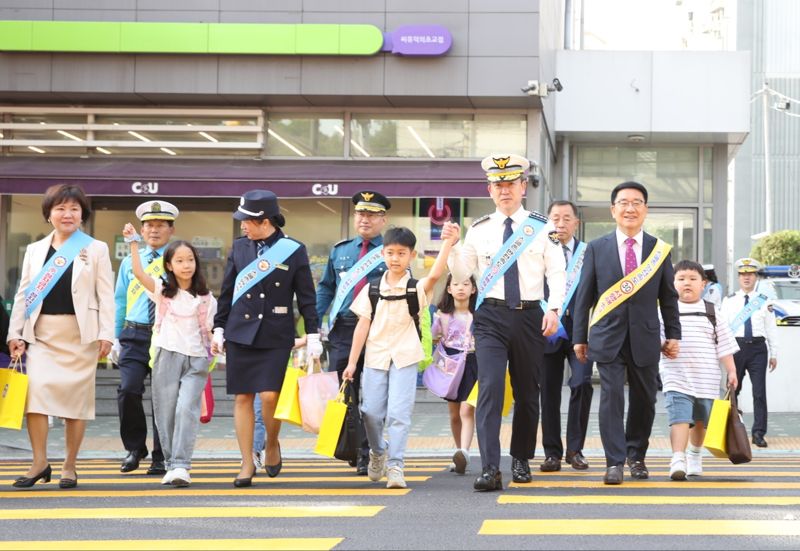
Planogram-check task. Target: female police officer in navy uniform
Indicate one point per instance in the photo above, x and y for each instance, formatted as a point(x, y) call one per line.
point(255, 320)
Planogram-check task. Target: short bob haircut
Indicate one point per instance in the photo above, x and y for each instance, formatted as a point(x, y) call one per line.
point(61, 193)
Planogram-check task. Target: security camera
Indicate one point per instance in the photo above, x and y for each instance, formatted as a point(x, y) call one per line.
point(557, 85)
point(532, 88)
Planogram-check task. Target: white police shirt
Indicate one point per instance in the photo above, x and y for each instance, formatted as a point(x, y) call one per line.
point(763, 320)
point(541, 258)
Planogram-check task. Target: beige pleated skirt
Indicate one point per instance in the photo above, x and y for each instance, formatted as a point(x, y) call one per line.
point(61, 370)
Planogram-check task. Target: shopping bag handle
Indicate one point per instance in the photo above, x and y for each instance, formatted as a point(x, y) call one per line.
point(313, 365)
point(16, 364)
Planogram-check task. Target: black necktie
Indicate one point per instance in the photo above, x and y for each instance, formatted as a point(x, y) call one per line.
point(748, 325)
point(260, 246)
point(151, 306)
point(511, 277)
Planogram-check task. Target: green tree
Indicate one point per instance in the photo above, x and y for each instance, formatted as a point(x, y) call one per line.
point(778, 249)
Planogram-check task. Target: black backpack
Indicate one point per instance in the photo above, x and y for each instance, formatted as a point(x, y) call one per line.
point(411, 298)
point(710, 313)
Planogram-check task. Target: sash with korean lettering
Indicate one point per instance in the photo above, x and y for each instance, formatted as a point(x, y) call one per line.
point(747, 312)
point(360, 269)
point(53, 269)
point(573, 275)
point(508, 254)
point(626, 287)
point(136, 289)
point(263, 265)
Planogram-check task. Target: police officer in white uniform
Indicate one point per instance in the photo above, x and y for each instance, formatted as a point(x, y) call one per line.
point(756, 338)
point(509, 326)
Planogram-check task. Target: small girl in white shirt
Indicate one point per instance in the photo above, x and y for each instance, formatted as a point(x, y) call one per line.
point(184, 318)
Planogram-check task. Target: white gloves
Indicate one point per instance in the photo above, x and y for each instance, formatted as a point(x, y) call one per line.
point(116, 348)
point(218, 339)
point(313, 345)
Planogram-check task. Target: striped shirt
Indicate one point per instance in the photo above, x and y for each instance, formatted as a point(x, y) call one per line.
point(696, 370)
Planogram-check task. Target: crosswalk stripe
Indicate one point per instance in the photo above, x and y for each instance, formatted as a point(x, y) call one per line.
point(349, 479)
point(287, 544)
point(654, 473)
point(232, 471)
point(640, 527)
point(648, 500)
point(187, 492)
point(193, 512)
point(633, 484)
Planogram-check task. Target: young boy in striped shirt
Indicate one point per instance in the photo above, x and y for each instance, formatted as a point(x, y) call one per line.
point(691, 380)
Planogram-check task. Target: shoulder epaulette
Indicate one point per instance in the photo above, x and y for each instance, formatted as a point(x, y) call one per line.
point(240, 237)
point(342, 242)
point(731, 295)
point(483, 218)
point(538, 216)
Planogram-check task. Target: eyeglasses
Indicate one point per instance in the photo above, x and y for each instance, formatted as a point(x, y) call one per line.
point(624, 204)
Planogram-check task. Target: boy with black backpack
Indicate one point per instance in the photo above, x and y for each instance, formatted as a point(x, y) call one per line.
point(691, 379)
point(391, 334)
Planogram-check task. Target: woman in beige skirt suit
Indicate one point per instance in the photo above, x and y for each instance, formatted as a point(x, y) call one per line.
point(65, 334)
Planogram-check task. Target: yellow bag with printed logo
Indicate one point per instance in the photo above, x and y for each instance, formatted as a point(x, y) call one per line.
point(13, 394)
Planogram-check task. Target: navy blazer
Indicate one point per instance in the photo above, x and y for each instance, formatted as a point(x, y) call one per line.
point(264, 316)
point(637, 317)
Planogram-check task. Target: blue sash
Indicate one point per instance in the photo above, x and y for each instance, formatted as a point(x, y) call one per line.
point(573, 276)
point(507, 255)
point(53, 269)
point(359, 270)
point(748, 311)
point(263, 265)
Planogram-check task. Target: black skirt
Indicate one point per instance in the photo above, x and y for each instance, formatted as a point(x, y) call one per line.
point(470, 376)
point(249, 370)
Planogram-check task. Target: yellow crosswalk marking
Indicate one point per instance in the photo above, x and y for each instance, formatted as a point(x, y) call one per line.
point(125, 480)
point(665, 474)
point(633, 484)
point(194, 512)
point(640, 527)
point(232, 471)
point(287, 544)
point(648, 500)
point(41, 492)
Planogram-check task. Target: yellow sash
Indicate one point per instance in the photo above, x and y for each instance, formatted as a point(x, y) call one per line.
point(135, 287)
point(626, 287)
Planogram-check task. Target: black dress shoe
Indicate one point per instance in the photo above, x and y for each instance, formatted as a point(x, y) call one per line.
point(491, 479)
point(65, 483)
point(361, 465)
point(520, 470)
point(244, 482)
point(577, 460)
point(29, 481)
point(759, 441)
point(157, 467)
point(131, 461)
point(638, 469)
point(613, 475)
point(550, 465)
point(275, 470)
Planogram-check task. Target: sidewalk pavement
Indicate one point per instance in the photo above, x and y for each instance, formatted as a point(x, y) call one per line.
point(430, 436)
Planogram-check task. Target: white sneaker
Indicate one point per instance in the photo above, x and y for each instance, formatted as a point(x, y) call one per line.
point(694, 463)
point(394, 478)
point(677, 468)
point(258, 459)
point(167, 480)
point(461, 461)
point(377, 466)
point(181, 478)
point(452, 467)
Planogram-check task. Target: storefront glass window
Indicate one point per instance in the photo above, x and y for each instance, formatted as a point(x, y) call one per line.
point(25, 225)
point(671, 174)
point(304, 135)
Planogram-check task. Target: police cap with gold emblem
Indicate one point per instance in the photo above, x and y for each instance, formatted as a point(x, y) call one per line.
point(371, 201)
point(747, 265)
point(505, 168)
point(157, 210)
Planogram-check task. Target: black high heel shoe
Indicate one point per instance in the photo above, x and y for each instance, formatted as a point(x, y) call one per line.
point(27, 482)
point(245, 482)
point(275, 470)
point(65, 483)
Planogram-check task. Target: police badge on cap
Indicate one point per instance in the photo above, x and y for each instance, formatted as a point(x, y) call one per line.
point(505, 168)
point(371, 201)
point(157, 210)
point(747, 265)
point(257, 204)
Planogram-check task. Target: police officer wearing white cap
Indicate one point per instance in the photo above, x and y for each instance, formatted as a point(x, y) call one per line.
point(255, 321)
point(509, 325)
point(134, 322)
point(753, 325)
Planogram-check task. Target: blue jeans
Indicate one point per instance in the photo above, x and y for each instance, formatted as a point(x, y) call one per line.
point(387, 400)
point(260, 431)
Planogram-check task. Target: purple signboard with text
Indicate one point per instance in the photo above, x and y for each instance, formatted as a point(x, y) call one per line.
point(418, 40)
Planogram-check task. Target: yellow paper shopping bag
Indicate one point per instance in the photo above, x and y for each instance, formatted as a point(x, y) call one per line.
point(288, 406)
point(331, 426)
point(716, 429)
point(508, 396)
point(13, 394)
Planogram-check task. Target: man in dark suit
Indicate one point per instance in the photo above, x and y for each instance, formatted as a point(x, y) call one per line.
point(627, 276)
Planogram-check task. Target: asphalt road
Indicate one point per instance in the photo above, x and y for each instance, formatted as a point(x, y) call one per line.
point(318, 504)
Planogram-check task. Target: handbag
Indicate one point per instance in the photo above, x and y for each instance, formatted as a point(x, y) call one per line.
point(443, 376)
point(13, 394)
point(207, 402)
point(316, 388)
point(349, 445)
point(288, 406)
point(716, 429)
point(508, 396)
point(331, 426)
point(736, 436)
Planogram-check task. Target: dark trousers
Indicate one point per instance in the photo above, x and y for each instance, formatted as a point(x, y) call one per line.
point(340, 340)
point(631, 439)
point(134, 358)
point(752, 358)
point(514, 338)
point(580, 400)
